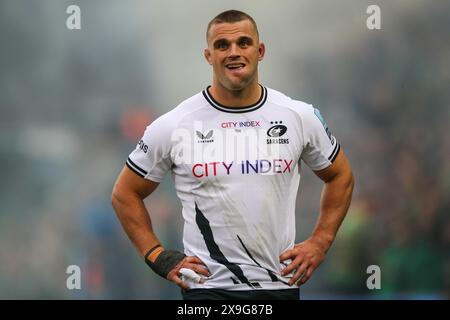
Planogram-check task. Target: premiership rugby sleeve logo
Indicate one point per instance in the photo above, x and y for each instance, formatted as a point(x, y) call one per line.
point(322, 120)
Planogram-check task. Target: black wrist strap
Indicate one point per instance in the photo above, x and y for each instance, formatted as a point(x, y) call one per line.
point(150, 251)
point(165, 262)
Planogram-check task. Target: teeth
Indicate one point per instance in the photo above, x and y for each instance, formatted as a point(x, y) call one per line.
point(235, 65)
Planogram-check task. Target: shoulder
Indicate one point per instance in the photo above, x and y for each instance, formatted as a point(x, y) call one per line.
point(300, 108)
point(171, 120)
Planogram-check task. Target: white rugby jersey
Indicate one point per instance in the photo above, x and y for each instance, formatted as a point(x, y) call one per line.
point(237, 173)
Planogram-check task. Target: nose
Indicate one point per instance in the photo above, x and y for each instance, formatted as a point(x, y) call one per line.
point(234, 51)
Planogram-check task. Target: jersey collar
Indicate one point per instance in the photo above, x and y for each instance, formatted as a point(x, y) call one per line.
point(223, 108)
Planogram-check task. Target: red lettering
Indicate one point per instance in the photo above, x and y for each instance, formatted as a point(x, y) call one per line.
point(193, 170)
point(288, 166)
point(214, 167)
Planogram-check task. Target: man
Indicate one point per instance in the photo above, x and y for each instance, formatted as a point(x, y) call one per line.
point(235, 152)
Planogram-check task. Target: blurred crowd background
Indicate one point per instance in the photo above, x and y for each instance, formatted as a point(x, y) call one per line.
point(74, 103)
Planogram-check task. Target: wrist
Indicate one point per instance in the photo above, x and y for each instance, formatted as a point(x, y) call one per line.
point(153, 253)
point(165, 262)
point(324, 240)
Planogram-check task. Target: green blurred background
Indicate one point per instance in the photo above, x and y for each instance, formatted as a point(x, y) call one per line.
point(73, 104)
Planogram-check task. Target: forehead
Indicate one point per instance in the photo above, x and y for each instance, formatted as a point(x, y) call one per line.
point(231, 31)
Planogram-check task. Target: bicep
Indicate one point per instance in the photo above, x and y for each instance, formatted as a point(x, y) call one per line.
point(130, 182)
point(339, 167)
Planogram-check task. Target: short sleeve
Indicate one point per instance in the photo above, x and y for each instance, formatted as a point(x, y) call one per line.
point(320, 146)
point(151, 158)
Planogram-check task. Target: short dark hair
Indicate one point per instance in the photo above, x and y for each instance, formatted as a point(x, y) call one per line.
point(231, 16)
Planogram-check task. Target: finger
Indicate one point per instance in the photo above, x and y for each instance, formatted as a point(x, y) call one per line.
point(198, 269)
point(307, 275)
point(191, 275)
point(298, 273)
point(286, 255)
point(293, 265)
point(193, 259)
point(201, 270)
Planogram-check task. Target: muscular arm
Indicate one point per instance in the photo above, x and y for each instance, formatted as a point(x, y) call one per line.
point(128, 196)
point(335, 199)
point(334, 203)
point(127, 199)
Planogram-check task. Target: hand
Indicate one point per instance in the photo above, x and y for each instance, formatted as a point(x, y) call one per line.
point(306, 257)
point(192, 263)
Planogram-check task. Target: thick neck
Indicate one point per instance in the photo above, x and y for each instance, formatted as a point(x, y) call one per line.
point(236, 99)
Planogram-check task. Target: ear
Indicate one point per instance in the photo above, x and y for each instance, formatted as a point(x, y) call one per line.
point(262, 51)
point(207, 55)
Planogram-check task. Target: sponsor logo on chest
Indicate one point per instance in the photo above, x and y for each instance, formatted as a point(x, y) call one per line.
point(245, 167)
point(241, 124)
point(275, 132)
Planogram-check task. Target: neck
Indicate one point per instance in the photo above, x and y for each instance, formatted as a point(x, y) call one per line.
point(236, 98)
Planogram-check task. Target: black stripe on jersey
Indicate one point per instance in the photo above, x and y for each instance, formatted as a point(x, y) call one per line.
point(213, 248)
point(273, 277)
point(135, 171)
point(221, 107)
point(133, 166)
point(335, 152)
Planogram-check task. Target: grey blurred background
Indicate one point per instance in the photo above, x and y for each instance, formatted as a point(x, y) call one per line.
point(73, 104)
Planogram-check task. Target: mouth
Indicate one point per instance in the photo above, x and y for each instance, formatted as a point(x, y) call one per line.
point(235, 66)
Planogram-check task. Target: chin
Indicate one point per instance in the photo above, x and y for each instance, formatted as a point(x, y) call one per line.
point(233, 86)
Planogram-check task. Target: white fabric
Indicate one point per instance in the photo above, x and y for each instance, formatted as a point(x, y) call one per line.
point(236, 172)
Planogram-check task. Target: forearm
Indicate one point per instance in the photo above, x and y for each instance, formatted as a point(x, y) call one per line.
point(135, 220)
point(334, 203)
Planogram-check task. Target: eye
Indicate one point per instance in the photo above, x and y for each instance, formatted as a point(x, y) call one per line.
point(244, 43)
point(222, 46)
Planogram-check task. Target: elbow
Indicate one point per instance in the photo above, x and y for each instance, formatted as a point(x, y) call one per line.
point(121, 198)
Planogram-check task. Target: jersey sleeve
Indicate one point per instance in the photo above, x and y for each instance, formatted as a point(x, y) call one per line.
point(151, 158)
point(320, 146)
